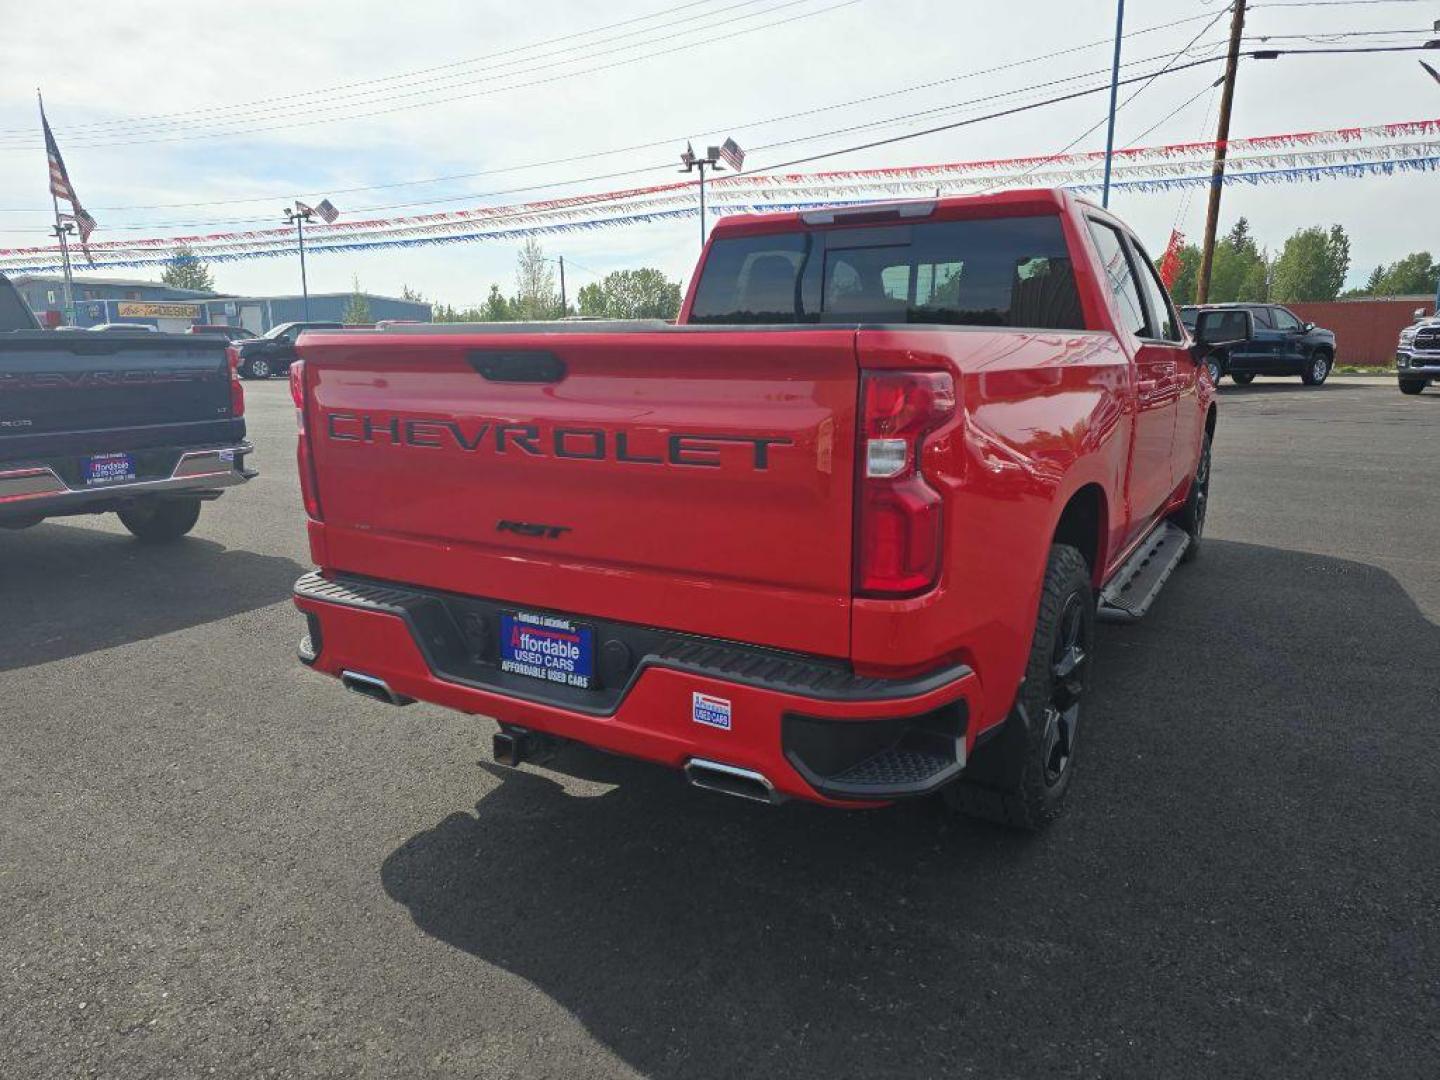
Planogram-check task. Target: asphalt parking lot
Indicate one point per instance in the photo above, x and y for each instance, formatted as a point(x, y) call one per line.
point(214, 862)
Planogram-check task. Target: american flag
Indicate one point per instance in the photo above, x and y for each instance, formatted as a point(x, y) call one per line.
point(327, 211)
point(732, 155)
point(61, 188)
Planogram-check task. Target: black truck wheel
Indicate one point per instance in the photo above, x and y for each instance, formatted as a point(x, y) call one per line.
point(159, 521)
point(1243, 379)
point(258, 368)
point(1317, 369)
point(1021, 775)
point(1412, 386)
point(1215, 368)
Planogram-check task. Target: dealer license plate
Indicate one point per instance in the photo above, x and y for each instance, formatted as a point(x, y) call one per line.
point(549, 648)
point(109, 468)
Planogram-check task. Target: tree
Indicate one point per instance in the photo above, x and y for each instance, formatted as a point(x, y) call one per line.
point(535, 294)
point(1312, 265)
point(357, 312)
point(1240, 270)
point(1410, 276)
point(407, 293)
point(1183, 291)
point(632, 294)
point(497, 308)
point(186, 270)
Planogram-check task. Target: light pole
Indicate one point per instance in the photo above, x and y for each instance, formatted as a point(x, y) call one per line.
point(1114, 90)
point(711, 160)
point(61, 231)
point(1436, 76)
point(300, 215)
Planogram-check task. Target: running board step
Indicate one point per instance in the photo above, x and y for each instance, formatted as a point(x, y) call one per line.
point(1133, 589)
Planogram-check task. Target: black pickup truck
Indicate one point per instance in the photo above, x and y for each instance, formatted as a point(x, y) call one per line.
point(147, 426)
point(272, 353)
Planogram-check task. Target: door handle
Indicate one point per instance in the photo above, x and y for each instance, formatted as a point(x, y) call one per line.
point(517, 365)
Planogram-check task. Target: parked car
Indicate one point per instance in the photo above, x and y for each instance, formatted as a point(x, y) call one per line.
point(146, 426)
point(228, 332)
point(1417, 356)
point(273, 352)
point(122, 328)
point(840, 535)
point(1282, 345)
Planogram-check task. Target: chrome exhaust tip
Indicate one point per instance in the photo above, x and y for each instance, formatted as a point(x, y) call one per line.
point(371, 687)
point(731, 780)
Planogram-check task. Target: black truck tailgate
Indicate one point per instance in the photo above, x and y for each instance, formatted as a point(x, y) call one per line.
point(80, 393)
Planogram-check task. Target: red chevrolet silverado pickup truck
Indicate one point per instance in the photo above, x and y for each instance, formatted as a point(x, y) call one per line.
point(841, 534)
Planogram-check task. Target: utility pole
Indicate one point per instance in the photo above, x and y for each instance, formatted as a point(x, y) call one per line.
point(1114, 91)
point(299, 216)
point(564, 308)
point(1217, 170)
point(691, 161)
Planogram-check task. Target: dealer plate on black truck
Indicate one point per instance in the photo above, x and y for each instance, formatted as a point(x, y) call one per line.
point(547, 647)
point(109, 468)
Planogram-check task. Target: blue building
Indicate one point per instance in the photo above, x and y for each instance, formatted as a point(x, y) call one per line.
point(107, 299)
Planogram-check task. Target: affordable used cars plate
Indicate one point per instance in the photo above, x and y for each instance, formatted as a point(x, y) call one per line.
point(109, 468)
point(547, 647)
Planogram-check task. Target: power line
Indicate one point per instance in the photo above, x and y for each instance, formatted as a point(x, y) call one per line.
point(335, 102)
point(646, 145)
point(901, 118)
point(484, 93)
point(381, 79)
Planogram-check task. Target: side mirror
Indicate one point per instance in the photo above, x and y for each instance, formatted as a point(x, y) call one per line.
point(1219, 327)
point(1418, 314)
point(1308, 327)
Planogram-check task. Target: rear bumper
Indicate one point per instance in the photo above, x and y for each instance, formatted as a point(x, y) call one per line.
point(38, 490)
point(811, 728)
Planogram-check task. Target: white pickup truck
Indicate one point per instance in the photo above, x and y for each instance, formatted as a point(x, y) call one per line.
point(1417, 357)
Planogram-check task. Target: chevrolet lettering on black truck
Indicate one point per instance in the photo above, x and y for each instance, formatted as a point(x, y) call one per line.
point(841, 534)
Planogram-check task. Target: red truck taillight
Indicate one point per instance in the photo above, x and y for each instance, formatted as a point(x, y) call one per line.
point(304, 458)
point(237, 388)
point(897, 514)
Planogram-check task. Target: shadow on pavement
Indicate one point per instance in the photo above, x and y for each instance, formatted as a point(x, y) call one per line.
point(1244, 882)
point(67, 590)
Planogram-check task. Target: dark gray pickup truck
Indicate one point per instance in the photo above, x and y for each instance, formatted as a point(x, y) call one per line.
point(148, 426)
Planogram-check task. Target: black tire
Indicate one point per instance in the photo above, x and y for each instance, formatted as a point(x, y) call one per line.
point(1243, 379)
point(258, 368)
point(1317, 369)
point(160, 521)
point(1191, 517)
point(1215, 368)
point(1020, 776)
point(1413, 386)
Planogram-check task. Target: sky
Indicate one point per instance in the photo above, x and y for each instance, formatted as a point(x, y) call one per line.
point(280, 101)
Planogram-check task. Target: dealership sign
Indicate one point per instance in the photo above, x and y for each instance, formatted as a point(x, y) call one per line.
point(136, 310)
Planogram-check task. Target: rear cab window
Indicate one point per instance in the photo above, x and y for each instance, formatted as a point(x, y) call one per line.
point(1004, 272)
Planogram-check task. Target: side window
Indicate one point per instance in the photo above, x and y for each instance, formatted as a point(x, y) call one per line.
point(1121, 276)
point(1167, 326)
point(1284, 320)
point(1262, 318)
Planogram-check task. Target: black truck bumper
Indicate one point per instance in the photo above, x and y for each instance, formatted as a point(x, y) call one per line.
point(30, 491)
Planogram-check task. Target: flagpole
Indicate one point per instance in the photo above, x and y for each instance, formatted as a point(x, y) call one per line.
point(60, 235)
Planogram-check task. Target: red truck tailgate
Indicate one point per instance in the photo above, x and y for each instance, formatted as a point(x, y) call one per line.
point(689, 479)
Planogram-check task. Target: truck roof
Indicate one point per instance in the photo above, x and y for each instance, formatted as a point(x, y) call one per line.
point(1020, 201)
